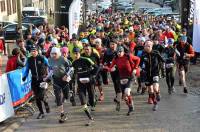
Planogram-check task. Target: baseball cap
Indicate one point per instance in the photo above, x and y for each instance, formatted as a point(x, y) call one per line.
point(184, 38)
point(33, 48)
point(120, 49)
point(76, 49)
point(85, 41)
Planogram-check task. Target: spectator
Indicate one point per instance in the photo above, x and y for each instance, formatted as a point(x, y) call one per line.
point(16, 61)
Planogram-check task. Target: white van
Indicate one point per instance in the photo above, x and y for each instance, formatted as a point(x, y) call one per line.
point(32, 11)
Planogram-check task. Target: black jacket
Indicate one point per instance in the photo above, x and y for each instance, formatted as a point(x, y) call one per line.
point(150, 63)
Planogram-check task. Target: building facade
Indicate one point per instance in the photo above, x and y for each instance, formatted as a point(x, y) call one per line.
point(42, 4)
point(8, 10)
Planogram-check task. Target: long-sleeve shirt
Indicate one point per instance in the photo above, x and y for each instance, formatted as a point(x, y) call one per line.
point(126, 64)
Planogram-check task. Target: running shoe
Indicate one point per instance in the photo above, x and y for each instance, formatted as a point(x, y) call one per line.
point(185, 90)
point(155, 107)
point(90, 122)
point(40, 116)
point(63, 118)
point(101, 98)
point(118, 107)
point(173, 90)
point(158, 97)
point(131, 109)
point(92, 108)
point(150, 100)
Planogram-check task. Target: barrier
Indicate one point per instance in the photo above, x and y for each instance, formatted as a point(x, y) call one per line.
point(20, 91)
point(15, 94)
point(6, 108)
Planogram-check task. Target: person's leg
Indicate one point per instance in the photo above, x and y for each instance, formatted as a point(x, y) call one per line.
point(45, 100)
point(168, 79)
point(72, 91)
point(128, 97)
point(82, 97)
point(35, 88)
point(104, 75)
point(183, 75)
point(59, 101)
point(91, 94)
point(99, 85)
point(173, 72)
point(116, 83)
point(139, 84)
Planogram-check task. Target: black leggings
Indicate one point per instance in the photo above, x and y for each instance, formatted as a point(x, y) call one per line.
point(170, 76)
point(116, 81)
point(83, 88)
point(61, 90)
point(40, 96)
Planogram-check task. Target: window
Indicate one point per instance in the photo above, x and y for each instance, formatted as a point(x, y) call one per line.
point(2, 6)
point(14, 6)
point(9, 12)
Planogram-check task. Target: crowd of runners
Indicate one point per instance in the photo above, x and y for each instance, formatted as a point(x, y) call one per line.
point(127, 49)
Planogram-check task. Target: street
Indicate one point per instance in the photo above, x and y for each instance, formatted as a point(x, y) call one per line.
point(178, 112)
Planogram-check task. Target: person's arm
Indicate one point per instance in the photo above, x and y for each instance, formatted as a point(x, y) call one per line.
point(160, 58)
point(132, 47)
point(112, 64)
point(26, 72)
point(136, 61)
point(69, 68)
point(191, 52)
point(94, 68)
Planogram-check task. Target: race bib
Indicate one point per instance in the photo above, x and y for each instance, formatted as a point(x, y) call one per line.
point(124, 81)
point(84, 80)
point(44, 85)
point(156, 78)
point(170, 65)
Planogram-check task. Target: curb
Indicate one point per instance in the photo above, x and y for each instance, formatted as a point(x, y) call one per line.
point(13, 126)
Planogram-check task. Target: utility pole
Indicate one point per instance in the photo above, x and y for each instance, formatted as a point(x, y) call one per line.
point(185, 11)
point(19, 16)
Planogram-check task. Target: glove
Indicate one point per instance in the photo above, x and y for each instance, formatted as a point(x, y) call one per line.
point(113, 69)
point(134, 72)
point(24, 79)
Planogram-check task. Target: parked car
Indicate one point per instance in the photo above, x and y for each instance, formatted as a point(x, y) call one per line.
point(5, 23)
point(35, 20)
point(11, 30)
point(168, 3)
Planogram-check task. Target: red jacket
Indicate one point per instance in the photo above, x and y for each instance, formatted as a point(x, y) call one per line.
point(126, 65)
point(168, 35)
point(1, 46)
point(11, 64)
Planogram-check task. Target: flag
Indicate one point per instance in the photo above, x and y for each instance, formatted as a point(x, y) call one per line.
point(196, 26)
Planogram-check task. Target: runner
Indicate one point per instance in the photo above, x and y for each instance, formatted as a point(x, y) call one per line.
point(169, 56)
point(185, 53)
point(86, 72)
point(37, 65)
point(127, 65)
point(150, 63)
point(61, 71)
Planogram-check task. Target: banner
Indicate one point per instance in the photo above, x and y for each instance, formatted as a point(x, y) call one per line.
point(196, 26)
point(6, 108)
point(74, 17)
point(20, 91)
